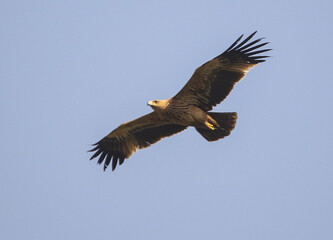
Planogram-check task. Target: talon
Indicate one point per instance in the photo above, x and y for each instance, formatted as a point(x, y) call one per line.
point(210, 126)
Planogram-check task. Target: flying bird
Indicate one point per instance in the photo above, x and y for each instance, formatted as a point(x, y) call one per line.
point(209, 85)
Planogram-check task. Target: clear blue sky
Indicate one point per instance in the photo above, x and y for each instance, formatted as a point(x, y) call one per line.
point(72, 71)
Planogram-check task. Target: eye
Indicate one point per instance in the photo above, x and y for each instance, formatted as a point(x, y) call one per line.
point(155, 101)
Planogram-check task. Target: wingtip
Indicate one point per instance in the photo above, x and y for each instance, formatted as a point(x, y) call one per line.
point(245, 41)
point(254, 33)
point(121, 160)
point(114, 162)
point(235, 43)
point(94, 148)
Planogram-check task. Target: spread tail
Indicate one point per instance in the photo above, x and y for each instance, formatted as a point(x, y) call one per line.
point(226, 121)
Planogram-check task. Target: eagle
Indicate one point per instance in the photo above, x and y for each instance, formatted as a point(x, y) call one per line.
point(209, 85)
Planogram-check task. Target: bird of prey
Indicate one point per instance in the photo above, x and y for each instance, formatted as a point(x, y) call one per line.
point(209, 85)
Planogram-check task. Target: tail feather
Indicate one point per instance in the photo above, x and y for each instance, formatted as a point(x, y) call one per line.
point(227, 122)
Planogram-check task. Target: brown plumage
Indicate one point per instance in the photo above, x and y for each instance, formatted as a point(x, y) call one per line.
point(209, 85)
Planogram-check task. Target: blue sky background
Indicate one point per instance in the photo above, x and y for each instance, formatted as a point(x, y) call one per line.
point(72, 71)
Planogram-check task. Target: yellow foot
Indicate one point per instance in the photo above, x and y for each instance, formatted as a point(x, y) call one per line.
point(210, 126)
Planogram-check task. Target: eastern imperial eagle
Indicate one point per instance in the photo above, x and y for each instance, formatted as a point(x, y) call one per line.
point(209, 85)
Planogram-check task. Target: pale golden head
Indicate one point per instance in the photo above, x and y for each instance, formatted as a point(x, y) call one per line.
point(158, 105)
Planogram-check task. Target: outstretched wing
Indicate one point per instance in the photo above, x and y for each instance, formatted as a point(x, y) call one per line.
point(213, 81)
point(122, 142)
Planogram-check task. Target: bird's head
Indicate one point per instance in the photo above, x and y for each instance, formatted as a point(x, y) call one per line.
point(158, 105)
